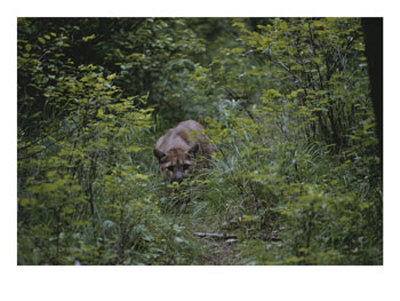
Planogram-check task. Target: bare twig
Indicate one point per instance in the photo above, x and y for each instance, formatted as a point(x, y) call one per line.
point(216, 235)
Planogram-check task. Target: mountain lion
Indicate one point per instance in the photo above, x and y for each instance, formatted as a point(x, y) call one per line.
point(177, 149)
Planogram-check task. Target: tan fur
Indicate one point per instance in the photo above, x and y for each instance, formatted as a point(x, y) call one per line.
point(177, 149)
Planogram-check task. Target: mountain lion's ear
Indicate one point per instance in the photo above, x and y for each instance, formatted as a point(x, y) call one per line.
point(194, 149)
point(158, 154)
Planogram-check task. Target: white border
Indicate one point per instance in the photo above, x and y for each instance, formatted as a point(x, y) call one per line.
point(187, 8)
point(197, 283)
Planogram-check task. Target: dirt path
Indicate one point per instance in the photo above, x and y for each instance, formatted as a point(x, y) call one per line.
point(218, 251)
point(218, 246)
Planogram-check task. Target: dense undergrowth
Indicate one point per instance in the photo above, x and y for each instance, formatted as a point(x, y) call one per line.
point(296, 178)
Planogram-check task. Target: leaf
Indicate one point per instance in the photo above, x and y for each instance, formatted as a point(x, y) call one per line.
point(318, 24)
point(100, 113)
point(180, 239)
point(108, 224)
point(88, 38)
point(134, 149)
point(141, 176)
point(238, 24)
point(111, 76)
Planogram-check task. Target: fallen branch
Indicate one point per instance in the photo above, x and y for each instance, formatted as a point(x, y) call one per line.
point(217, 235)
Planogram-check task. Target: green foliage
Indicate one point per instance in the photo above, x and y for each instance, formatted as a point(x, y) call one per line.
point(82, 174)
point(297, 143)
point(285, 101)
